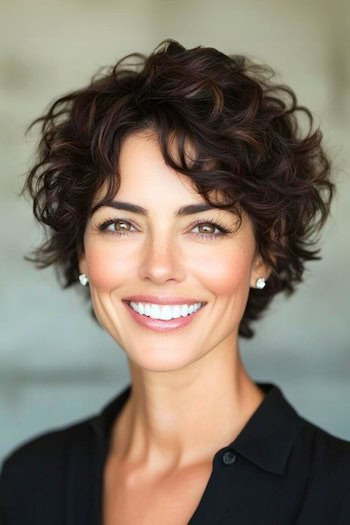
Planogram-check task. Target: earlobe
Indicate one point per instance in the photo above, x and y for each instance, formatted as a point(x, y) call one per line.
point(260, 283)
point(261, 271)
point(83, 278)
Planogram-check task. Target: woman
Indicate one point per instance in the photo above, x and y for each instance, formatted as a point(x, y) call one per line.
point(181, 192)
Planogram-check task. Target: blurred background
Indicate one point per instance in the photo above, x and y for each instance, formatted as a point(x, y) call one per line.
point(56, 365)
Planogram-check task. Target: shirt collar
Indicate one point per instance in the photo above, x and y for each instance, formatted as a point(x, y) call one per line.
point(266, 439)
point(268, 436)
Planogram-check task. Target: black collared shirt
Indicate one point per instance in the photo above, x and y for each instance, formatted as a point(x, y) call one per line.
point(281, 469)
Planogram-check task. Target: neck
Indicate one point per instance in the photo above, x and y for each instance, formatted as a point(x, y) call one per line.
point(174, 419)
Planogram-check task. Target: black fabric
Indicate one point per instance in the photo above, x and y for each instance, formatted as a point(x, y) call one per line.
point(281, 470)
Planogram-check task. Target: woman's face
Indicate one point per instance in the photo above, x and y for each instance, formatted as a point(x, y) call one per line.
point(175, 256)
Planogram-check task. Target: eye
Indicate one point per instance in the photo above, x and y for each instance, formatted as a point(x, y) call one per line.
point(116, 226)
point(209, 229)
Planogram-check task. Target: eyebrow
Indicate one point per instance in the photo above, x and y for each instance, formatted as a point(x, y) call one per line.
point(135, 208)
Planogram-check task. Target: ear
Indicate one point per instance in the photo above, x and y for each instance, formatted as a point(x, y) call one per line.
point(260, 268)
point(82, 264)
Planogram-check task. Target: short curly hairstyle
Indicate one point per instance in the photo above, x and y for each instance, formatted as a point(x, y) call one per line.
point(248, 143)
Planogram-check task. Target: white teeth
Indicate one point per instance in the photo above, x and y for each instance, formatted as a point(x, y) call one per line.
point(141, 308)
point(176, 311)
point(147, 310)
point(184, 310)
point(155, 311)
point(164, 312)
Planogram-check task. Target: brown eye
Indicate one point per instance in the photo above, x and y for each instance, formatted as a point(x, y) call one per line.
point(206, 228)
point(210, 230)
point(121, 226)
point(116, 227)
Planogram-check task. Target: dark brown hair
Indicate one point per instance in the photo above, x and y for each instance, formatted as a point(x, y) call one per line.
point(248, 144)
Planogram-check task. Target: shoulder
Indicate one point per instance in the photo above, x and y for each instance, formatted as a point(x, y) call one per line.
point(320, 466)
point(36, 470)
point(46, 449)
point(325, 451)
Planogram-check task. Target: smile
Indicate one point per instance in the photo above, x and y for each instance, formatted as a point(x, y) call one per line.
point(165, 312)
point(163, 317)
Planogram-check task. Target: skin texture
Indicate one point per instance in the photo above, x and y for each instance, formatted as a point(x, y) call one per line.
point(190, 392)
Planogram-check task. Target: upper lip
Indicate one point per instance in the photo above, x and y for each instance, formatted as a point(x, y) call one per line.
point(161, 299)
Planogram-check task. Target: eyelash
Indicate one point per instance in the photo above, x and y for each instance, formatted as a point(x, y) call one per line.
point(222, 229)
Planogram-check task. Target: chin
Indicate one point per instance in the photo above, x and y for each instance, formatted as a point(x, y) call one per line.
point(160, 360)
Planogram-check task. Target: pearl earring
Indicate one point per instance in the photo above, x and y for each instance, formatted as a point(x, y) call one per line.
point(260, 283)
point(83, 278)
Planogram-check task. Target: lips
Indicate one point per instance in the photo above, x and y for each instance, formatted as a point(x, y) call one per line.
point(159, 325)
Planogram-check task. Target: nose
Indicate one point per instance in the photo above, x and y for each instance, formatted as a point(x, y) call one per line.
point(161, 260)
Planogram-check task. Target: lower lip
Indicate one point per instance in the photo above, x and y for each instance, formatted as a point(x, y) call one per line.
point(162, 326)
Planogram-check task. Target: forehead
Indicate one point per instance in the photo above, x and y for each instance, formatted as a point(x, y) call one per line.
point(147, 180)
point(142, 167)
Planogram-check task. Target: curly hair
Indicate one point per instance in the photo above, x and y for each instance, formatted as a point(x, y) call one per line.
point(249, 144)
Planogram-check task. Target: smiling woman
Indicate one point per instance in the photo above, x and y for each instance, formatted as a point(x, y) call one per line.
point(169, 247)
point(180, 191)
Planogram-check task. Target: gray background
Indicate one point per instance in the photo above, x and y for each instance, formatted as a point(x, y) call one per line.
point(56, 365)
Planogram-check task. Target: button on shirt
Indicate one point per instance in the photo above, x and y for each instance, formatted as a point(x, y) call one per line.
point(229, 457)
point(281, 469)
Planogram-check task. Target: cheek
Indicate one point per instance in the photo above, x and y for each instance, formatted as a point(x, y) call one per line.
point(107, 267)
point(228, 272)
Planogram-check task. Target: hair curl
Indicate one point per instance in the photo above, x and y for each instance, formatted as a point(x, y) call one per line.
point(248, 141)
